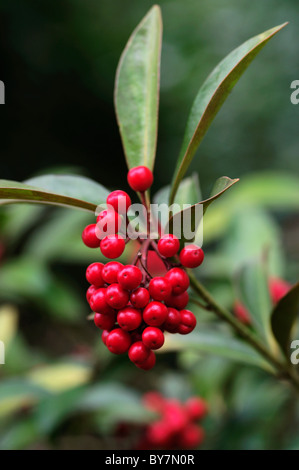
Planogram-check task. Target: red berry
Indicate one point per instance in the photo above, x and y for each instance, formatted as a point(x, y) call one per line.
point(168, 245)
point(175, 415)
point(116, 296)
point(153, 401)
point(98, 302)
point(138, 352)
point(172, 321)
point(155, 313)
point(90, 291)
point(196, 408)
point(191, 437)
point(112, 246)
point(119, 200)
point(94, 274)
point(191, 256)
point(89, 236)
point(242, 313)
point(105, 335)
point(140, 178)
point(129, 318)
point(104, 322)
point(118, 341)
point(149, 363)
point(110, 271)
point(188, 322)
point(153, 337)
point(130, 277)
point(278, 289)
point(140, 297)
point(159, 435)
point(108, 223)
point(159, 288)
point(178, 301)
point(179, 280)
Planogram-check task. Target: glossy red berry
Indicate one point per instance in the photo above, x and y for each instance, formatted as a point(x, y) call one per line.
point(188, 322)
point(168, 245)
point(98, 302)
point(129, 318)
point(140, 297)
point(278, 289)
point(191, 256)
point(172, 321)
point(94, 274)
point(153, 337)
point(155, 313)
point(110, 271)
point(89, 236)
point(130, 277)
point(178, 301)
point(196, 408)
point(118, 341)
point(191, 437)
point(159, 288)
point(149, 363)
point(178, 279)
point(140, 178)
point(138, 352)
point(104, 322)
point(119, 200)
point(105, 335)
point(116, 296)
point(112, 246)
point(90, 291)
point(108, 223)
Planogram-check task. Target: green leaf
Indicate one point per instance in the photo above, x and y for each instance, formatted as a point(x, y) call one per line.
point(137, 91)
point(268, 189)
point(284, 316)
point(221, 185)
point(65, 190)
point(17, 393)
point(216, 342)
point(253, 292)
point(212, 95)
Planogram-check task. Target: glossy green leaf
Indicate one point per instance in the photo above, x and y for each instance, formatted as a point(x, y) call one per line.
point(283, 318)
point(212, 95)
point(219, 343)
point(65, 190)
point(221, 185)
point(253, 292)
point(137, 91)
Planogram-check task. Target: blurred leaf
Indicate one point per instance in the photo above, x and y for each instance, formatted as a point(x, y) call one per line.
point(17, 393)
point(268, 190)
point(211, 97)
point(178, 219)
point(253, 292)
point(8, 323)
point(60, 377)
point(19, 218)
point(20, 435)
point(284, 315)
point(137, 91)
point(218, 343)
point(253, 232)
point(66, 190)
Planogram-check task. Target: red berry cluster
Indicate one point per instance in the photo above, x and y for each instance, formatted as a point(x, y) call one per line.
point(133, 308)
point(177, 426)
